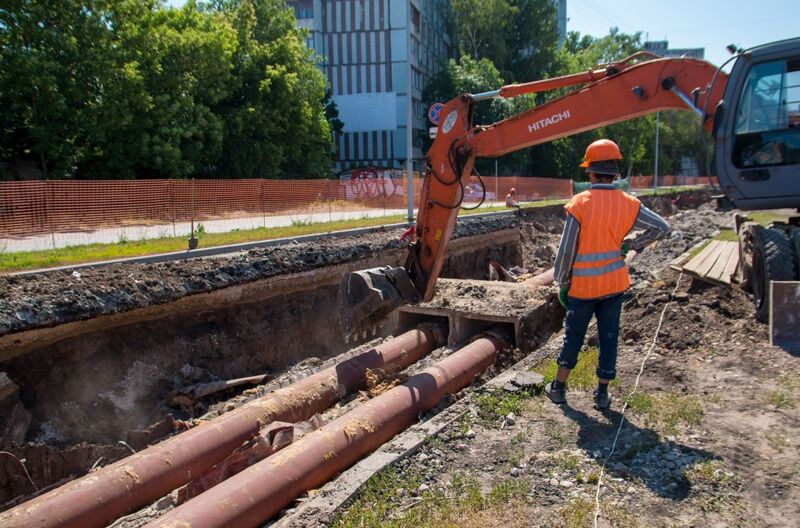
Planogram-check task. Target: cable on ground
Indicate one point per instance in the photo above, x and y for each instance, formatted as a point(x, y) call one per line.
point(625, 404)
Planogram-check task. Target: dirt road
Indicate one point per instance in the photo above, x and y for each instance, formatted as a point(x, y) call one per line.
point(710, 439)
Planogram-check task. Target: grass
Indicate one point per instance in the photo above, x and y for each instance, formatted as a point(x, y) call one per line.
point(666, 412)
point(494, 406)
point(567, 461)
point(727, 235)
point(765, 217)
point(713, 488)
point(377, 503)
point(667, 190)
point(582, 376)
point(781, 399)
point(557, 432)
point(579, 513)
point(777, 440)
point(124, 248)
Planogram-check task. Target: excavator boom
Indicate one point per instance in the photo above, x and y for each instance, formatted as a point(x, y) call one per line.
point(604, 95)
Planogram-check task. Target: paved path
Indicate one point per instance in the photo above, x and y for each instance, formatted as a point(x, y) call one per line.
point(116, 234)
point(113, 235)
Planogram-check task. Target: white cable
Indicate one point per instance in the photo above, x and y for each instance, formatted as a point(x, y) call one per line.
point(625, 404)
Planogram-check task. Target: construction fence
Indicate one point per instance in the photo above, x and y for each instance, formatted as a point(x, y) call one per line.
point(56, 213)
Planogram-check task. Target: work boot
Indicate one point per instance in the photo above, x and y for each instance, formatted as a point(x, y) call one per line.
point(602, 401)
point(556, 395)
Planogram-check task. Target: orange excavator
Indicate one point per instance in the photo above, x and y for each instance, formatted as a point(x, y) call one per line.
point(610, 93)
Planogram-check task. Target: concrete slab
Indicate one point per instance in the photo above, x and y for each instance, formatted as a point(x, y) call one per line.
point(470, 306)
point(784, 315)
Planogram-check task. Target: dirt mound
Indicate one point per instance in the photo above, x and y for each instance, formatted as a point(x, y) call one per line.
point(48, 299)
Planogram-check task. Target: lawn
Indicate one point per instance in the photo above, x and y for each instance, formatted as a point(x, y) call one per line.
point(31, 260)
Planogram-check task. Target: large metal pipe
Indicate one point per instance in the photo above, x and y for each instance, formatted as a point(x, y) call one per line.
point(262, 490)
point(101, 497)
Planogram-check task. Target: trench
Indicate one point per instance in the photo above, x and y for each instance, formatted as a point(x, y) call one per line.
point(87, 385)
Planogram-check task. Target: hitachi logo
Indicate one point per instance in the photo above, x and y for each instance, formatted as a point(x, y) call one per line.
point(547, 121)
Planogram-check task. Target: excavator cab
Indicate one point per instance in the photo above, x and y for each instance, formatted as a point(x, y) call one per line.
point(757, 128)
point(757, 153)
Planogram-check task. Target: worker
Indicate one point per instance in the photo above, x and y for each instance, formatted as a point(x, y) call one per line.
point(511, 198)
point(590, 265)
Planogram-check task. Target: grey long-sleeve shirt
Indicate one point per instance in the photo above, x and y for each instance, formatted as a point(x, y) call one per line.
point(653, 226)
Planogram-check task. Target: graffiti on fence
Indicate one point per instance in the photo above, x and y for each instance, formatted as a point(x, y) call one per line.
point(372, 182)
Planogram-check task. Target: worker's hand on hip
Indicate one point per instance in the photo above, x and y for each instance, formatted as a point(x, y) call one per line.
point(624, 248)
point(562, 296)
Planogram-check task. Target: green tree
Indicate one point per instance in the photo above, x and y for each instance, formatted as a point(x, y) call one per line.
point(133, 88)
point(481, 26)
point(518, 36)
point(469, 75)
point(275, 122)
point(51, 54)
point(680, 132)
point(170, 69)
point(332, 113)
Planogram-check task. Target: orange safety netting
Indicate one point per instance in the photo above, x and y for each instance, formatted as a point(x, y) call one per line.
point(36, 207)
point(528, 188)
point(74, 210)
point(647, 182)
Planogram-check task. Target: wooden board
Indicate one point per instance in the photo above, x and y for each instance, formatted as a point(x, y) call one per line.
point(716, 263)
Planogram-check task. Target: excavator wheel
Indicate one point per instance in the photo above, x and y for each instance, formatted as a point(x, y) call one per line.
point(773, 259)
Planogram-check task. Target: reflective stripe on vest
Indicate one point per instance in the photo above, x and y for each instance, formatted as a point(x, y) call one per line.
point(597, 257)
point(602, 270)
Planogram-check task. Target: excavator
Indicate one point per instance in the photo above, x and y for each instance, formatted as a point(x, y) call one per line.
point(752, 114)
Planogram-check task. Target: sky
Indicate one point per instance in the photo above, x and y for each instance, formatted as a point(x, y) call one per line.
point(709, 24)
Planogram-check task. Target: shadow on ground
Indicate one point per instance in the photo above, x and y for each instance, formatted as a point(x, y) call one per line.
point(659, 476)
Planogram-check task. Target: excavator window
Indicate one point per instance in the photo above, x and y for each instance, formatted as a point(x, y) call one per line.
point(768, 116)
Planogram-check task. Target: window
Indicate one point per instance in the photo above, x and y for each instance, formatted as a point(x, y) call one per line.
point(768, 116)
point(415, 19)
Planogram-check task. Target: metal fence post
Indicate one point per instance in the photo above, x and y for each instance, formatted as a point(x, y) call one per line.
point(328, 196)
point(261, 184)
point(48, 203)
point(174, 206)
point(192, 239)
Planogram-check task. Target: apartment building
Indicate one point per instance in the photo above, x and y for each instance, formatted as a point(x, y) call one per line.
point(376, 55)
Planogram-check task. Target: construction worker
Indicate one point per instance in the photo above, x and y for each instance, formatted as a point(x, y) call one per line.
point(511, 198)
point(590, 265)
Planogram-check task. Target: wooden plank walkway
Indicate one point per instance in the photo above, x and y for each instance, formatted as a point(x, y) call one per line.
point(716, 263)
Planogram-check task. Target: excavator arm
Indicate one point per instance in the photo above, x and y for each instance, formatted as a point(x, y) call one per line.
point(607, 94)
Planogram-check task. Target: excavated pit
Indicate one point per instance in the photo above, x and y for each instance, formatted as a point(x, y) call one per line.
point(92, 355)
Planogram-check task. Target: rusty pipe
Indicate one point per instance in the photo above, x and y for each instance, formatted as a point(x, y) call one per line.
point(102, 496)
point(262, 490)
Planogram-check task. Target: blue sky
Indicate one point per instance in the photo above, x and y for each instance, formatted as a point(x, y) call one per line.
point(709, 24)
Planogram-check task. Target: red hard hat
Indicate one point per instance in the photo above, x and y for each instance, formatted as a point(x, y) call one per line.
point(513, 190)
point(601, 150)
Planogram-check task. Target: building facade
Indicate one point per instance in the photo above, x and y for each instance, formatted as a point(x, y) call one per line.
point(376, 54)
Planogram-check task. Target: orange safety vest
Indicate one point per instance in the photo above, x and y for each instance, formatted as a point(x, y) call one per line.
point(605, 217)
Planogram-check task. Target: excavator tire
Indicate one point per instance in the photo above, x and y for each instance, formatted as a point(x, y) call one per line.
point(773, 260)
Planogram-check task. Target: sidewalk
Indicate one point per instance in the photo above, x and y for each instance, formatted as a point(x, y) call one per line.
point(116, 234)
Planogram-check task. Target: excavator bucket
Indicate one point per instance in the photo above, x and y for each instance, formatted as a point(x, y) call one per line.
point(367, 297)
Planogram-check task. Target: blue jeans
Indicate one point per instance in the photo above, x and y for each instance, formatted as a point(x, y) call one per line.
point(579, 314)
